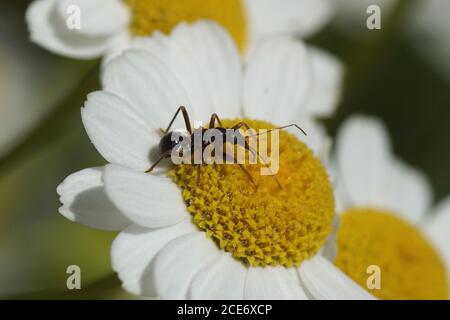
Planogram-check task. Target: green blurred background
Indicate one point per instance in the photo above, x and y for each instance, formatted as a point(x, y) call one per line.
point(400, 74)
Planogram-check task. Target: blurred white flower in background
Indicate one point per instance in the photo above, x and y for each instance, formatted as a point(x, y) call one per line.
point(108, 25)
point(103, 23)
point(386, 216)
point(297, 17)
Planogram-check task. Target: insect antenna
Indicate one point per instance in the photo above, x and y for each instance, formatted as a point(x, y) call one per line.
point(279, 128)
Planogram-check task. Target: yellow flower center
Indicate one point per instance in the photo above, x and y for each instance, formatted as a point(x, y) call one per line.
point(164, 15)
point(409, 266)
point(266, 224)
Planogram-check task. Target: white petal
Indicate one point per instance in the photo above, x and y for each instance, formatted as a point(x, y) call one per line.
point(118, 131)
point(214, 53)
point(326, 282)
point(134, 249)
point(147, 199)
point(147, 84)
point(277, 80)
point(363, 149)
point(179, 261)
point(167, 50)
point(222, 279)
point(372, 176)
point(406, 191)
point(327, 82)
point(316, 139)
point(300, 17)
point(98, 17)
point(117, 45)
point(272, 283)
point(342, 197)
point(207, 64)
point(437, 228)
point(84, 201)
point(49, 30)
point(329, 250)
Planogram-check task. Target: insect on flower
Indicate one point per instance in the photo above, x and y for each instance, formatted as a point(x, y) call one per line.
point(182, 143)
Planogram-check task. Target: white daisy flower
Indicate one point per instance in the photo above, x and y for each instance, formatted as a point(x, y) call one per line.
point(106, 26)
point(216, 237)
point(386, 217)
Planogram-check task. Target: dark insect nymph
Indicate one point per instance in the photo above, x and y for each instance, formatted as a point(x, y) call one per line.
point(170, 142)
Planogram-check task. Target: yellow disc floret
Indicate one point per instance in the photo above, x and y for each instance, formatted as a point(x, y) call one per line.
point(164, 15)
point(263, 224)
point(409, 266)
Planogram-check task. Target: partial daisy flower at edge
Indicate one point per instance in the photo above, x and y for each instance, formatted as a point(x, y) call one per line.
point(221, 238)
point(108, 25)
point(386, 219)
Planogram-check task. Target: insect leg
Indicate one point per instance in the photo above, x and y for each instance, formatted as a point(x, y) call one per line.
point(282, 127)
point(164, 155)
point(247, 146)
point(237, 127)
point(212, 121)
point(186, 120)
point(264, 163)
point(199, 167)
point(248, 175)
point(240, 125)
point(227, 156)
